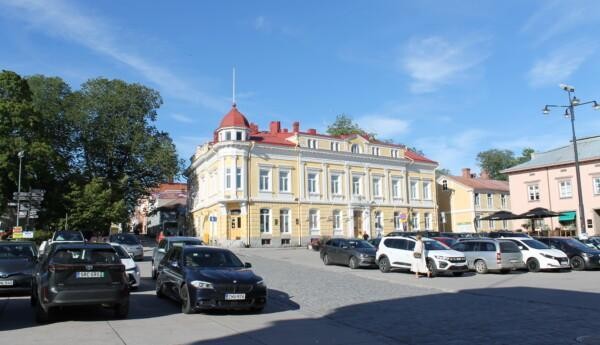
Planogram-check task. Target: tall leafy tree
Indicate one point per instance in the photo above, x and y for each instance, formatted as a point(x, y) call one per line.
point(343, 125)
point(494, 161)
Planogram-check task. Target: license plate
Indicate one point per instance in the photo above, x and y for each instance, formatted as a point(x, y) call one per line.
point(7, 282)
point(89, 275)
point(235, 296)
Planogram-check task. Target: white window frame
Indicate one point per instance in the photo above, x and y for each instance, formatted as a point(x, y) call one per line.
point(377, 186)
point(375, 151)
point(335, 146)
point(427, 190)
point(335, 184)
point(596, 184)
point(265, 221)
point(565, 189)
point(284, 181)
point(533, 192)
point(477, 223)
point(312, 143)
point(355, 148)
point(414, 190)
point(490, 200)
point(357, 182)
point(264, 181)
point(228, 178)
point(337, 220)
point(312, 185)
point(415, 221)
point(503, 200)
point(428, 221)
point(505, 224)
point(477, 199)
point(396, 188)
point(397, 221)
point(378, 218)
point(285, 226)
point(313, 219)
point(491, 224)
point(394, 153)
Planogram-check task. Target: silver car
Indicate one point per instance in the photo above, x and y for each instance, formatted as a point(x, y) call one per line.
point(167, 243)
point(485, 255)
point(130, 243)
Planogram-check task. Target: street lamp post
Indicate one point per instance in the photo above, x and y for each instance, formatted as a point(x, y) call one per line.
point(21, 154)
point(570, 113)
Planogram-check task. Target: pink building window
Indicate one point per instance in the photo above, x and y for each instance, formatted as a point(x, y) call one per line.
point(533, 190)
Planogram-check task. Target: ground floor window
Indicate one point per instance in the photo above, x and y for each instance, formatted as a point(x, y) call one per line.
point(397, 221)
point(337, 220)
point(313, 219)
point(428, 221)
point(265, 241)
point(265, 220)
point(414, 219)
point(284, 219)
point(285, 241)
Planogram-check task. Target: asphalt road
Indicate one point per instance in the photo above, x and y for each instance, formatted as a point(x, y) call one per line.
point(310, 303)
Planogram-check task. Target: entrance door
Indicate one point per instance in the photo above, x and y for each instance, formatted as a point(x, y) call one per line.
point(234, 230)
point(358, 223)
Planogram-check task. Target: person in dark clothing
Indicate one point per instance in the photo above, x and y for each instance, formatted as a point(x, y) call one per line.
point(365, 236)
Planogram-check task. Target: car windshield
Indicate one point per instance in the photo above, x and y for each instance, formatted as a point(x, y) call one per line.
point(186, 243)
point(125, 239)
point(16, 251)
point(121, 252)
point(576, 244)
point(360, 244)
point(68, 236)
point(75, 256)
point(434, 245)
point(535, 244)
point(212, 259)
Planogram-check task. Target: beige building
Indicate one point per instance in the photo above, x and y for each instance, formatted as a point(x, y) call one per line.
point(283, 187)
point(464, 200)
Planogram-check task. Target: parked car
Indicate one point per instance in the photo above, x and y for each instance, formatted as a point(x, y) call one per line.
point(130, 243)
point(75, 274)
point(61, 236)
point(484, 255)
point(209, 278)
point(448, 241)
point(505, 234)
point(397, 253)
point(165, 245)
point(17, 263)
point(353, 253)
point(375, 242)
point(131, 268)
point(580, 256)
point(592, 242)
point(538, 256)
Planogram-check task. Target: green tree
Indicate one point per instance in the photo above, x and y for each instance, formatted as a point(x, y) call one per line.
point(343, 125)
point(443, 171)
point(494, 161)
point(526, 155)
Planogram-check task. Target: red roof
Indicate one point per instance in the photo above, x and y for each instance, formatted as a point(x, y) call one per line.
point(481, 183)
point(234, 119)
point(417, 157)
point(273, 138)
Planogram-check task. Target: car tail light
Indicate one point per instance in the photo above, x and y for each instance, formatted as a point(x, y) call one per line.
point(498, 257)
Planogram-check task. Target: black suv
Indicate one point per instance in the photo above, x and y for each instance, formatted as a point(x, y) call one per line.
point(581, 256)
point(80, 274)
point(17, 262)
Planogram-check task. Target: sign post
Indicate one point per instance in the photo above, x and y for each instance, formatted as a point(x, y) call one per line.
point(213, 222)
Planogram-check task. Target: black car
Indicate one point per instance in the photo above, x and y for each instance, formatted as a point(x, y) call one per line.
point(17, 263)
point(581, 256)
point(209, 278)
point(75, 274)
point(353, 253)
point(375, 242)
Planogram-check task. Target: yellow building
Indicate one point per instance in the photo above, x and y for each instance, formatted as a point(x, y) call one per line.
point(464, 200)
point(283, 187)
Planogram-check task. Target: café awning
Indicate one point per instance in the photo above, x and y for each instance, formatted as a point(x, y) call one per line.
point(567, 216)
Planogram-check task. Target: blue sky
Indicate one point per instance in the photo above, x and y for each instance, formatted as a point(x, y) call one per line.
point(452, 78)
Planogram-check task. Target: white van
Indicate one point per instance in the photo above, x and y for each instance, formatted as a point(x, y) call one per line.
point(396, 252)
point(538, 256)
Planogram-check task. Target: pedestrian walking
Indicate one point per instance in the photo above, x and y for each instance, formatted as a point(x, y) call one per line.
point(419, 263)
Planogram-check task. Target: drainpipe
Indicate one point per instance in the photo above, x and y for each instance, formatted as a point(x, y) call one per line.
point(298, 198)
point(408, 199)
point(247, 188)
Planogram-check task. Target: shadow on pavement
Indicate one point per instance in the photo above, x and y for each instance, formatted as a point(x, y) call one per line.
point(478, 316)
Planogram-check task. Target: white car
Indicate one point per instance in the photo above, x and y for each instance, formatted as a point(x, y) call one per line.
point(131, 268)
point(396, 252)
point(538, 256)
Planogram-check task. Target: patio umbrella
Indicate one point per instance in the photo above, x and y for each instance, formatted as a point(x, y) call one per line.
point(537, 213)
point(500, 215)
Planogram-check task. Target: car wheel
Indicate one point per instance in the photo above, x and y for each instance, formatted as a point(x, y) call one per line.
point(326, 260)
point(432, 268)
point(533, 265)
point(122, 309)
point(154, 274)
point(353, 263)
point(384, 264)
point(577, 263)
point(186, 306)
point(41, 315)
point(481, 267)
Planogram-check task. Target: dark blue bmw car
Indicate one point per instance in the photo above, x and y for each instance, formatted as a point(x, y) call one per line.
point(209, 278)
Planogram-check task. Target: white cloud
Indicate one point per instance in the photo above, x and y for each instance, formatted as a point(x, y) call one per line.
point(434, 61)
point(384, 127)
point(260, 23)
point(60, 19)
point(559, 65)
point(453, 152)
point(182, 118)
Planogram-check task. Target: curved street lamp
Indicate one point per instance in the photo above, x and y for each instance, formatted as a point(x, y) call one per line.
point(570, 113)
point(21, 154)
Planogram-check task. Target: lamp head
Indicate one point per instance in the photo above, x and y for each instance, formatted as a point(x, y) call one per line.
point(21, 154)
point(596, 106)
point(546, 110)
point(575, 101)
point(567, 115)
point(567, 88)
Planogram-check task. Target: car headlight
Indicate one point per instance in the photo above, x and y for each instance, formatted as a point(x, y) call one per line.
point(548, 256)
point(364, 255)
point(260, 283)
point(198, 284)
point(440, 257)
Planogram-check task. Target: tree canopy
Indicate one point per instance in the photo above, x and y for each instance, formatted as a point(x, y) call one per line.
point(95, 150)
point(494, 161)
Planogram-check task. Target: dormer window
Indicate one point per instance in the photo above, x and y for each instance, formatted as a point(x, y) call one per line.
point(238, 135)
point(335, 146)
point(394, 153)
point(355, 148)
point(227, 136)
point(375, 151)
point(312, 143)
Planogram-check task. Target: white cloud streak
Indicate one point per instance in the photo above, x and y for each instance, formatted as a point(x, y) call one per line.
point(434, 61)
point(559, 65)
point(385, 127)
point(182, 118)
point(60, 19)
point(453, 152)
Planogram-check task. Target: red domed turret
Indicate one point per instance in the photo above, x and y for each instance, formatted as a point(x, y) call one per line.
point(234, 119)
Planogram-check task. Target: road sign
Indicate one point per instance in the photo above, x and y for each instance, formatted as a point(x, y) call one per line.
point(12, 204)
point(27, 234)
point(17, 232)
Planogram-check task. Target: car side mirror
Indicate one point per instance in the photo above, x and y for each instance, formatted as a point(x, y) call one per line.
point(161, 250)
point(247, 265)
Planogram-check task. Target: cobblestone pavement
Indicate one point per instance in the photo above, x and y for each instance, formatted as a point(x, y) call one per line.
point(311, 303)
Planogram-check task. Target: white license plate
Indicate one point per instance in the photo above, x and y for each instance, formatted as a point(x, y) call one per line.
point(89, 275)
point(7, 282)
point(235, 296)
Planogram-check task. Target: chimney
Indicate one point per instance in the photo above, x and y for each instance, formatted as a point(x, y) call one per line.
point(285, 130)
point(484, 175)
point(466, 172)
point(253, 128)
point(275, 127)
point(311, 131)
point(296, 127)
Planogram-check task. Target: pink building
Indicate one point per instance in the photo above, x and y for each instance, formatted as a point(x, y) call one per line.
point(548, 180)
